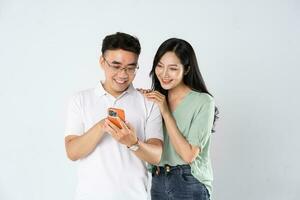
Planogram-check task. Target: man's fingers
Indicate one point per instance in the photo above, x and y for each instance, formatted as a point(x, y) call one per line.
point(129, 126)
point(112, 129)
point(123, 125)
point(112, 125)
point(109, 130)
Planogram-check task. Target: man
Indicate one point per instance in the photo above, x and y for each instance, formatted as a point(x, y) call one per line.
point(112, 160)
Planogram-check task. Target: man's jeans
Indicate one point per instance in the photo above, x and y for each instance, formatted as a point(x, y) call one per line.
point(176, 183)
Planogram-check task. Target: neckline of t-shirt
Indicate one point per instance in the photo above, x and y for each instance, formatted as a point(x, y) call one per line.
point(182, 101)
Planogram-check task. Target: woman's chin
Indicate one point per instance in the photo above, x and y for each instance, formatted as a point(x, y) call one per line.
point(166, 86)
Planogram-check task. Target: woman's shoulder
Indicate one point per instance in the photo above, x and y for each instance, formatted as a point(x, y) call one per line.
point(203, 97)
point(203, 102)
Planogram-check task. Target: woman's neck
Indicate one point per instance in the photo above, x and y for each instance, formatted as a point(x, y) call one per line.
point(178, 92)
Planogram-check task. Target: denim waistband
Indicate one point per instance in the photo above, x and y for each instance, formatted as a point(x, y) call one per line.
point(178, 169)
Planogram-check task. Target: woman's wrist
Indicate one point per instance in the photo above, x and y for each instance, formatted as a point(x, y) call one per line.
point(167, 114)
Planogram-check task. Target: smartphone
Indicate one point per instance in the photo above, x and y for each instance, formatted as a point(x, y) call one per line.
point(113, 113)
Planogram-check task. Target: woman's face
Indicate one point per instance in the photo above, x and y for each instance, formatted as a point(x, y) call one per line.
point(169, 71)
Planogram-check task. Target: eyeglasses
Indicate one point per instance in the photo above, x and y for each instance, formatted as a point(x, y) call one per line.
point(131, 69)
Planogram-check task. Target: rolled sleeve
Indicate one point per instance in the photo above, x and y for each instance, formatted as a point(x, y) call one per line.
point(74, 122)
point(201, 125)
point(154, 124)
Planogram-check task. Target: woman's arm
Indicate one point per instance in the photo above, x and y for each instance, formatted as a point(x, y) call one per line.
point(182, 147)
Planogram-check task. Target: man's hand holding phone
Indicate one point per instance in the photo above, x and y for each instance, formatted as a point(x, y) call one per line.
point(123, 132)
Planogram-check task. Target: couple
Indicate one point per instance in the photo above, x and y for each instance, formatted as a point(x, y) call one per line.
point(168, 127)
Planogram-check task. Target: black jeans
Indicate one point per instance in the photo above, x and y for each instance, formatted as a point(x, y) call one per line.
point(176, 183)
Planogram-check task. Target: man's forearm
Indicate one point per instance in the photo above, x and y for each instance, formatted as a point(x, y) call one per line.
point(150, 151)
point(78, 147)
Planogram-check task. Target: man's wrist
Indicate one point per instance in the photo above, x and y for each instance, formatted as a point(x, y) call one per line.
point(99, 127)
point(135, 146)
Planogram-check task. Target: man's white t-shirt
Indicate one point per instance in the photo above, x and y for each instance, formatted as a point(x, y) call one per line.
point(112, 171)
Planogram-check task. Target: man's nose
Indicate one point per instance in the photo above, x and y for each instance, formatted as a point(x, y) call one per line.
point(123, 73)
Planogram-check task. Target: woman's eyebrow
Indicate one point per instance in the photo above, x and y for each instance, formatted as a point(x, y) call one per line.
point(171, 65)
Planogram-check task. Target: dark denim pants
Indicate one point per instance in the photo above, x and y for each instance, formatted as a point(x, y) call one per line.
point(176, 183)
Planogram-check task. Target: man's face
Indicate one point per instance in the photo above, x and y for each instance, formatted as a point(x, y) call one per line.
point(119, 67)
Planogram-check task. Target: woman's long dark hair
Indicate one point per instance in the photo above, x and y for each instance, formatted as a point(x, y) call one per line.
point(192, 76)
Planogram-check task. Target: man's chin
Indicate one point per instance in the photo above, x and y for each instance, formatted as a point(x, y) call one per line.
point(121, 88)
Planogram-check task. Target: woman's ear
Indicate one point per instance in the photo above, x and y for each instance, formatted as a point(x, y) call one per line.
point(187, 70)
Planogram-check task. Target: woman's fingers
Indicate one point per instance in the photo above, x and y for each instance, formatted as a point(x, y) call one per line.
point(156, 96)
point(144, 91)
point(158, 93)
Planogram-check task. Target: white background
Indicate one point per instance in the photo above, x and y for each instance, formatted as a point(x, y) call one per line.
point(248, 53)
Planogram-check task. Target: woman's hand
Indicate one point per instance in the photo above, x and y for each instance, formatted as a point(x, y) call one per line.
point(157, 98)
point(144, 91)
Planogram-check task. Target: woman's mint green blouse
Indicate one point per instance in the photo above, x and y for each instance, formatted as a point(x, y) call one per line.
point(194, 117)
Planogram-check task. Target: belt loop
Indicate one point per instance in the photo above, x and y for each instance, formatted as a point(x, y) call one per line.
point(157, 171)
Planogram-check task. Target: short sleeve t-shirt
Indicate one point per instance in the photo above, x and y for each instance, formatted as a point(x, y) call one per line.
point(112, 171)
point(194, 118)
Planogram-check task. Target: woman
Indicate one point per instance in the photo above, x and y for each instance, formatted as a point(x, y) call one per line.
point(188, 110)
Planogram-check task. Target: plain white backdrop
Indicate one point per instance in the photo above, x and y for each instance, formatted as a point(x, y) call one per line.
point(248, 53)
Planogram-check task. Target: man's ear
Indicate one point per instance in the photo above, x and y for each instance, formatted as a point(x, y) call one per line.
point(101, 61)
